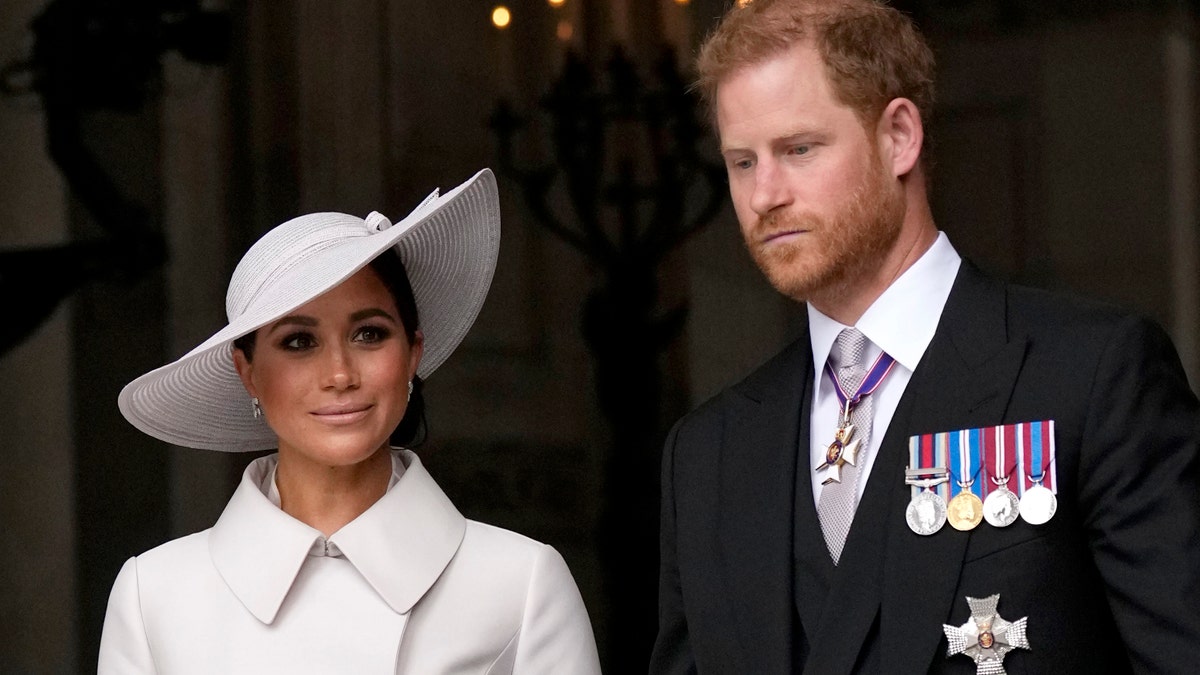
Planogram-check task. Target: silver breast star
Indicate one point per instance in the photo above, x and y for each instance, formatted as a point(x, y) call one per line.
point(986, 637)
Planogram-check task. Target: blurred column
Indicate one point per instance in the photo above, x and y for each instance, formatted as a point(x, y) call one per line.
point(342, 69)
point(196, 156)
point(119, 329)
point(37, 582)
point(1180, 66)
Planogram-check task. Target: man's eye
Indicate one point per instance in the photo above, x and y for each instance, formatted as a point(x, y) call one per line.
point(801, 149)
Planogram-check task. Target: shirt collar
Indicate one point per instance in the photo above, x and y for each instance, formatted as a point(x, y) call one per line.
point(270, 487)
point(400, 545)
point(903, 319)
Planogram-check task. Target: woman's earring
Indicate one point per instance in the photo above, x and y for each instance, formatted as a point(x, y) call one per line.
point(256, 407)
point(409, 390)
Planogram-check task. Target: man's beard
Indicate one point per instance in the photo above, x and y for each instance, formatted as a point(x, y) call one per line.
point(833, 254)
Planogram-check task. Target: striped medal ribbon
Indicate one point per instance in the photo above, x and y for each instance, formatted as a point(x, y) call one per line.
point(1002, 473)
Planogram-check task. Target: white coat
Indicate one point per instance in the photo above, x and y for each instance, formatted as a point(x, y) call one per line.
point(410, 586)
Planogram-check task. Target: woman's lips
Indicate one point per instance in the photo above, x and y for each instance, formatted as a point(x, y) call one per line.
point(338, 415)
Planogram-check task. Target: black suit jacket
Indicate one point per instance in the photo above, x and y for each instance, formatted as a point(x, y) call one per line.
point(1110, 584)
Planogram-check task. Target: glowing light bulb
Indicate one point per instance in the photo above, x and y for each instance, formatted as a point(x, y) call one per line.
point(501, 17)
point(557, 3)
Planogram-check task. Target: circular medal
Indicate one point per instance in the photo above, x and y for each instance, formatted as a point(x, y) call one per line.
point(926, 513)
point(965, 511)
point(1038, 505)
point(1001, 508)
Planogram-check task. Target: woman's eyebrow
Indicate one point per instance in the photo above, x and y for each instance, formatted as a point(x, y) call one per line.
point(293, 320)
point(368, 313)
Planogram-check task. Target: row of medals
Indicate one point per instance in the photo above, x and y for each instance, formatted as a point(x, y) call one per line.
point(928, 511)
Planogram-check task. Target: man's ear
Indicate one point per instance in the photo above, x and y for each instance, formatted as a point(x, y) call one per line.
point(901, 136)
point(244, 371)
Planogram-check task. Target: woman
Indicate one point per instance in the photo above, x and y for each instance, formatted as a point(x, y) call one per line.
point(339, 554)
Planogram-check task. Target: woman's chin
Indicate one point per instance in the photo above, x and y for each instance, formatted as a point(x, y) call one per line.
point(336, 449)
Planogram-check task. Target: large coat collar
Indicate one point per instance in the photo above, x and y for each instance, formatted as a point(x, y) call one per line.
point(965, 379)
point(400, 545)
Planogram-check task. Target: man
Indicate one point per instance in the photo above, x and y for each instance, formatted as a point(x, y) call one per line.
point(802, 508)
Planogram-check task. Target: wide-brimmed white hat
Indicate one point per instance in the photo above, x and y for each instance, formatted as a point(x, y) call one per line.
point(448, 244)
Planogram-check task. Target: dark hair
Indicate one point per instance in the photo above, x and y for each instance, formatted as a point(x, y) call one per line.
point(413, 428)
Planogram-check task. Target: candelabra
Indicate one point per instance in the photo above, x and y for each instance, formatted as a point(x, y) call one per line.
point(627, 155)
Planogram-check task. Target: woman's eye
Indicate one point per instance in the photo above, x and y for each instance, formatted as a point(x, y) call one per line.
point(298, 342)
point(372, 334)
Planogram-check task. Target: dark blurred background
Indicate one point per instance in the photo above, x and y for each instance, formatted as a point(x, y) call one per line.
point(144, 145)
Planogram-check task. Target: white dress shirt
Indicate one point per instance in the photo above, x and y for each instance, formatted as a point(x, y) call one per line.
point(320, 546)
point(410, 586)
point(901, 322)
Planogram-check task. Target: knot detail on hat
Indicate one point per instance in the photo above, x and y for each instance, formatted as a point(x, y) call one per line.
point(377, 222)
point(428, 201)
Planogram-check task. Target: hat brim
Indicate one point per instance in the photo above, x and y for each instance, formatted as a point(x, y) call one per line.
point(449, 248)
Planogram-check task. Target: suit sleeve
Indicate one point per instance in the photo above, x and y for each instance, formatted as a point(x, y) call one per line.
point(556, 634)
point(124, 648)
point(1140, 496)
point(672, 649)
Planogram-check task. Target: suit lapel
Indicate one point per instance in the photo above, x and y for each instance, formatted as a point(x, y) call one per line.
point(853, 601)
point(757, 488)
point(965, 380)
point(814, 571)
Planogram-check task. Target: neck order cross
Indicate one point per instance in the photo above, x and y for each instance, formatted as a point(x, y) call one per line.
point(839, 491)
point(845, 446)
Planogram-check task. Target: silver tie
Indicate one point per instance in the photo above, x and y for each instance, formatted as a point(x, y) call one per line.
point(835, 507)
